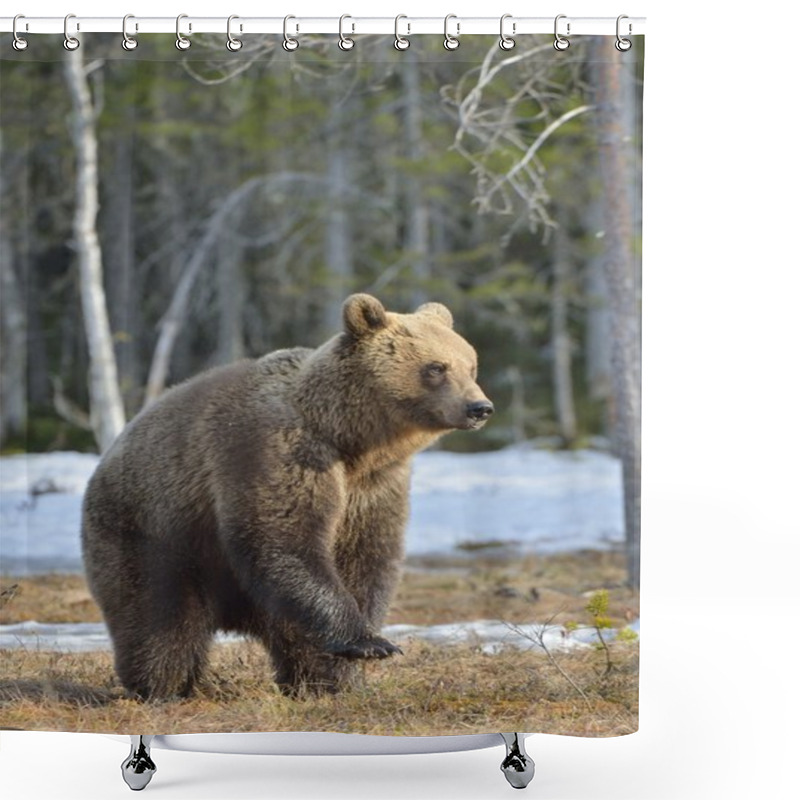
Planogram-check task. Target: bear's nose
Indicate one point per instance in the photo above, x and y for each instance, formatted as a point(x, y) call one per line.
point(483, 409)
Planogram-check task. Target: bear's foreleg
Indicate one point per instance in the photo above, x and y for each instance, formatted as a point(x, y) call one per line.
point(368, 553)
point(280, 552)
point(369, 547)
point(300, 668)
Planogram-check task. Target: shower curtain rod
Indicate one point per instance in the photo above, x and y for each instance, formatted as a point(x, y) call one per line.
point(403, 25)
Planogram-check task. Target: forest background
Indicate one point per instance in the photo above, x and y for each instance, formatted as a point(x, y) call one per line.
point(159, 219)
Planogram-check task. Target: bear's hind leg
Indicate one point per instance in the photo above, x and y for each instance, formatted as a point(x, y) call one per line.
point(161, 668)
point(162, 652)
point(154, 598)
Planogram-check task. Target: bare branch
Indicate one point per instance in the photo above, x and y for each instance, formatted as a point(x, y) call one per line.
point(495, 130)
point(540, 140)
point(66, 408)
point(538, 638)
point(172, 322)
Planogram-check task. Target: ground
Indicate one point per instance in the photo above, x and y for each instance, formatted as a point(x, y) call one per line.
point(459, 688)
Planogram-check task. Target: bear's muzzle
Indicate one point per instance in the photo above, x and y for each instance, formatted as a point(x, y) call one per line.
point(479, 412)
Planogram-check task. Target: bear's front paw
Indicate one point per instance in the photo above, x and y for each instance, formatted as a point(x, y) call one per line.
point(366, 647)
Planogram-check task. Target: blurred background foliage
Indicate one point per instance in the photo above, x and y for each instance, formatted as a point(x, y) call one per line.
point(284, 182)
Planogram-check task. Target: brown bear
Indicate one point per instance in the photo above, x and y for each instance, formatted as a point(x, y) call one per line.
point(269, 497)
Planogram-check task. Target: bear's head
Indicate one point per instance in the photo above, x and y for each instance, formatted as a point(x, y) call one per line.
point(417, 364)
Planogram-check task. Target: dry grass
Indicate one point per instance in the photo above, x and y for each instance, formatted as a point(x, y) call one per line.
point(531, 589)
point(47, 598)
point(430, 690)
point(432, 591)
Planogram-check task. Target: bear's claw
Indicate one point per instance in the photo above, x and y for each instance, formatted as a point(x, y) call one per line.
point(368, 647)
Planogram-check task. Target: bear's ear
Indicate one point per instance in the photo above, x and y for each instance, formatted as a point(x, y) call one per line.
point(363, 314)
point(442, 313)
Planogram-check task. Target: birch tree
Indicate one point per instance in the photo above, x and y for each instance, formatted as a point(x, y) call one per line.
point(106, 409)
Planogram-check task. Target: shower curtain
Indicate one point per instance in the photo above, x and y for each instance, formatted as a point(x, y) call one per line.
point(260, 282)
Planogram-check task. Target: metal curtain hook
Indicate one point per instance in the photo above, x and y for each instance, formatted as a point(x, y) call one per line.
point(400, 42)
point(128, 42)
point(507, 42)
point(70, 42)
point(181, 42)
point(623, 44)
point(451, 42)
point(289, 42)
point(18, 42)
point(345, 42)
point(560, 43)
point(233, 44)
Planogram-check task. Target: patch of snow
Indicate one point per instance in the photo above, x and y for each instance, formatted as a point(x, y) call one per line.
point(534, 500)
point(490, 636)
point(41, 533)
point(67, 637)
point(526, 499)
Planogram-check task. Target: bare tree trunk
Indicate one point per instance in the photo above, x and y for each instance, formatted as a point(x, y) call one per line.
point(598, 323)
point(107, 412)
point(13, 409)
point(516, 407)
point(13, 339)
point(616, 174)
point(37, 371)
point(418, 212)
point(118, 248)
point(560, 342)
point(338, 247)
point(230, 294)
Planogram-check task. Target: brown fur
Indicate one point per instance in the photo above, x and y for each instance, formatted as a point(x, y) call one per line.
point(269, 497)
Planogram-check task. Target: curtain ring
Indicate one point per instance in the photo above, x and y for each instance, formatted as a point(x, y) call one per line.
point(128, 42)
point(233, 44)
point(18, 43)
point(451, 42)
point(289, 42)
point(560, 43)
point(507, 42)
point(181, 42)
point(70, 42)
point(345, 42)
point(621, 44)
point(400, 42)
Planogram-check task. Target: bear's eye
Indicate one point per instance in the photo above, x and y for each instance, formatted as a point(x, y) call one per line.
point(436, 369)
